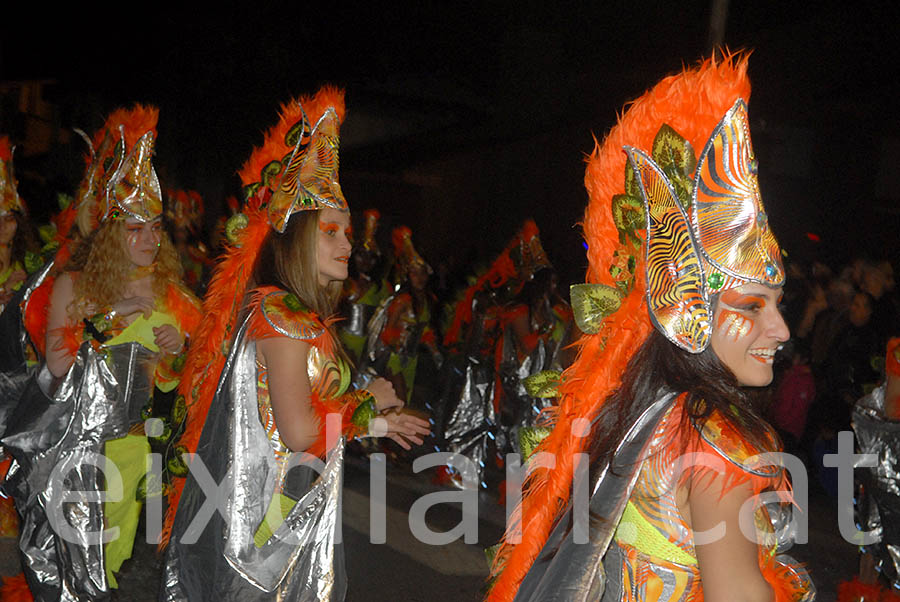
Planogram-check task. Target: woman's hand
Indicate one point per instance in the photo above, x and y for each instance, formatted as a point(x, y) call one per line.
point(400, 426)
point(133, 305)
point(168, 339)
point(385, 396)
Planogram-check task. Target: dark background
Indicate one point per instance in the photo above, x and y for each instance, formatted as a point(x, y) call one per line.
point(465, 118)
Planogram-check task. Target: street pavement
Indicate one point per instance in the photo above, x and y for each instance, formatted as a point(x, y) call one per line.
point(404, 569)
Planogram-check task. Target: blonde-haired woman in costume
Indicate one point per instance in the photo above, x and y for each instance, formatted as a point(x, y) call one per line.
point(278, 404)
point(682, 323)
point(110, 335)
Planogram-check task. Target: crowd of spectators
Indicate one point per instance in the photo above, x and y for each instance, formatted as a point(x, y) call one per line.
point(840, 324)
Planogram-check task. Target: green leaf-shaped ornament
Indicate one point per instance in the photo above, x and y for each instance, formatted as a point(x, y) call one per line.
point(628, 216)
point(271, 170)
point(179, 410)
point(234, 225)
point(529, 438)
point(670, 149)
point(544, 384)
point(176, 465)
point(632, 187)
point(591, 303)
point(295, 133)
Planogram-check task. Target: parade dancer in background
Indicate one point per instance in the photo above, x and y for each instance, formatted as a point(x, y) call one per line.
point(184, 210)
point(401, 333)
point(18, 247)
point(110, 335)
point(267, 376)
point(536, 328)
point(876, 422)
point(678, 241)
point(363, 293)
point(466, 414)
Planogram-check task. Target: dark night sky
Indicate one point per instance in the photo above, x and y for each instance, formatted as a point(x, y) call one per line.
point(465, 118)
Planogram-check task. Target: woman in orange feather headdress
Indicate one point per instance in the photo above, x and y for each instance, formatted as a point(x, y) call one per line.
point(267, 384)
point(652, 440)
point(110, 322)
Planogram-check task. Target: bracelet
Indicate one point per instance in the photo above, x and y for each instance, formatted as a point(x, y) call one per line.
point(103, 320)
point(365, 411)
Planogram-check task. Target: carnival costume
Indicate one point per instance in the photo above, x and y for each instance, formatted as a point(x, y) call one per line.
point(666, 231)
point(518, 359)
point(401, 325)
point(363, 295)
point(184, 210)
point(60, 427)
point(878, 500)
point(276, 538)
point(474, 339)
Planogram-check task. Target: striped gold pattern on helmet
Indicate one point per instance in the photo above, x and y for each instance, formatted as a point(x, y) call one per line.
point(675, 287)
point(310, 180)
point(729, 222)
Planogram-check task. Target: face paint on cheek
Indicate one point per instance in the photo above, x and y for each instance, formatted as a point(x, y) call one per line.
point(734, 324)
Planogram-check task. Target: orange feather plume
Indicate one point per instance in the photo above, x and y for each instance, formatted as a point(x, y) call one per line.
point(136, 121)
point(274, 147)
point(692, 102)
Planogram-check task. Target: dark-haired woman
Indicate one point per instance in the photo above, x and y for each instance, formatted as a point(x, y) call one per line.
point(655, 444)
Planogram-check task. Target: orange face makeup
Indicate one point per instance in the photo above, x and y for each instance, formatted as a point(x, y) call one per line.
point(330, 228)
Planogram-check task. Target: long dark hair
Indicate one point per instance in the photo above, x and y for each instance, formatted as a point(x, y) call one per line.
point(658, 365)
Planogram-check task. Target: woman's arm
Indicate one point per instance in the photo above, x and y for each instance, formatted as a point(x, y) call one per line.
point(290, 390)
point(59, 358)
point(729, 565)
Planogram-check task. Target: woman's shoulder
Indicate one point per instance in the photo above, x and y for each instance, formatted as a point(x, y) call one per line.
point(722, 436)
point(277, 312)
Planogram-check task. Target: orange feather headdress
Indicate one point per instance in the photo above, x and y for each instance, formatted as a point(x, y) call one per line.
point(185, 209)
point(9, 194)
point(120, 180)
point(262, 177)
point(692, 103)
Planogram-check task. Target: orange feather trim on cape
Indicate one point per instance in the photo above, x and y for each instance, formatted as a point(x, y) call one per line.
point(185, 306)
point(37, 314)
point(210, 344)
point(691, 102)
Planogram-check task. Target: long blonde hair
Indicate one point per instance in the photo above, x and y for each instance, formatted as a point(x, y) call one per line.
point(103, 262)
point(289, 260)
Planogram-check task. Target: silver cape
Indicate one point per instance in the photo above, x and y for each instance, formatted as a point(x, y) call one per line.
point(878, 505)
point(303, 560)
point(56, 436)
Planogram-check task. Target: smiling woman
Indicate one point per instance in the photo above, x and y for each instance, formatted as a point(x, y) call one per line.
point(681, 320)
point(749, 329)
